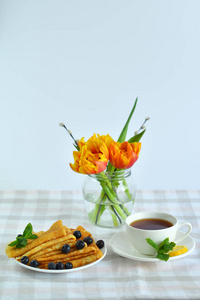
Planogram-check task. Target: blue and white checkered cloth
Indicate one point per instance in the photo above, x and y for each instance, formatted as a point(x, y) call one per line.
point(114, 277)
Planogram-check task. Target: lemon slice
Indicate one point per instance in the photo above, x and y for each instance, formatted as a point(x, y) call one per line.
point(178, 250)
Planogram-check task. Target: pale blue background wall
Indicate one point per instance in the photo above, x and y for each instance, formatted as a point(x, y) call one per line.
point(84, 63)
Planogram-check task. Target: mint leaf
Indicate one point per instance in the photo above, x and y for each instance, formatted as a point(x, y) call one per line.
point(172, 245)
point(166, 241)
point(21, 241)
point(152, 243)
point(163, 248)
point(13, 244)
point(28, 230)
point(163, 256)
point(33, 236)
point(20, 238)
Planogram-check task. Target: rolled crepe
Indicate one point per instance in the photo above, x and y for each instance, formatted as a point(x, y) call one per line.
point(76, 253)
point(84, 232)
point(86, 260)
point(57, 230)
point(39, 233)
point(49, 246)
point(52, 249)
point(77, 262)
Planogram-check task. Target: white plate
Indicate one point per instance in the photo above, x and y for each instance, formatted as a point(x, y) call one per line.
point(104, 251)
point(120, 245)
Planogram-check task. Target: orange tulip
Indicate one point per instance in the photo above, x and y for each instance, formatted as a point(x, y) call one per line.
point(124, 155)
point(92, 158)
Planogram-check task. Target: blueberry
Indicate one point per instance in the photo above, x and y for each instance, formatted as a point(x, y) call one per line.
point(65, 248)
point(59, 266)
point(68, 265)
point(19, 235)
point(77, 234)
point(88, 240)
point(100, 244)
point(51, 266)
point(24, 260)
point(80, 244)
point(34, 263)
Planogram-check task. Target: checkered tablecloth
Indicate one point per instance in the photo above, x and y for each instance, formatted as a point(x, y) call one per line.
point(114, 277)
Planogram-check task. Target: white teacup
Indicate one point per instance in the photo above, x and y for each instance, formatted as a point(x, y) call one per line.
point(137, 237)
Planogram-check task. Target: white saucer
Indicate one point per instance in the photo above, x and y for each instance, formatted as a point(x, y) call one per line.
point(104, 251)
point(120, 245)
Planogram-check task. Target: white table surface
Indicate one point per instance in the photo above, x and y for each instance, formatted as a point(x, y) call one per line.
point(114, 277)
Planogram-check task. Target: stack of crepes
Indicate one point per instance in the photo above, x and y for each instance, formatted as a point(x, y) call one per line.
point(48, 247)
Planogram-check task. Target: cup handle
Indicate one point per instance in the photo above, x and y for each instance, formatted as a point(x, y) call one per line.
point(187, 232)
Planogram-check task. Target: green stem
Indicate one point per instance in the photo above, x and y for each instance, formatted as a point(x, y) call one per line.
point(101, 209)
point(114, 216)
point(112, 198)
point(109, 194)
point(126, 189)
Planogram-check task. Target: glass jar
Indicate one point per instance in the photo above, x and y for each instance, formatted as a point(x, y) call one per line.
point(109, 197)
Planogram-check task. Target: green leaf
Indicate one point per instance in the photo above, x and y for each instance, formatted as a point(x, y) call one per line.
point(152, 243)
point(20, 238)
point(28, 230)
point(163, 256)
point(33, 237)
point(122, 136)
point(165, 248)
point(21, 245)
point(163, 243)
point(137, 137)
point(172, 244)
point(22, 242)
point(13, 244)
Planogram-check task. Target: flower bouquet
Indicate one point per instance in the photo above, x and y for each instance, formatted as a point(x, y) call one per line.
point(108, 163)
